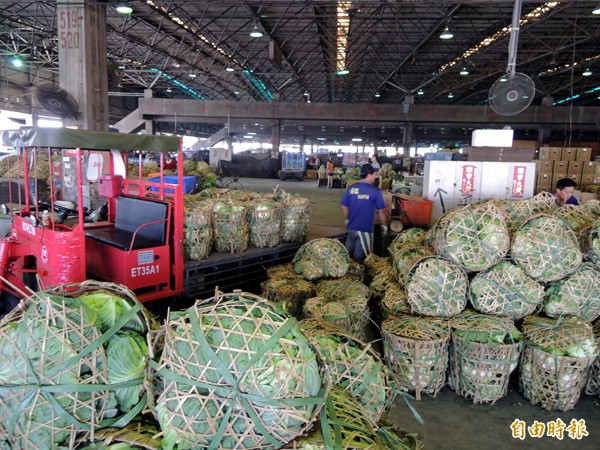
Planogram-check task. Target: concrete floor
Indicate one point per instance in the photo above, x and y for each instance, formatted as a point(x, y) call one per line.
point(451, 421)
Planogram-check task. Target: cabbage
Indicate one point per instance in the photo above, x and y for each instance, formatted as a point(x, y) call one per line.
point(110, 308)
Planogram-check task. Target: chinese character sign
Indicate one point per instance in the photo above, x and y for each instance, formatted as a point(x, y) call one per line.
point(518, 182)
point(468, 180)
point(555, 428)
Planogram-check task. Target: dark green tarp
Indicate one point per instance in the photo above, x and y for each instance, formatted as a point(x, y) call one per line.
point(88, 140)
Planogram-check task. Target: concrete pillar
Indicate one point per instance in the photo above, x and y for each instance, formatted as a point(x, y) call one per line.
point(149, 124)
point(406, 140)
point(82, 60)
point(275, 138)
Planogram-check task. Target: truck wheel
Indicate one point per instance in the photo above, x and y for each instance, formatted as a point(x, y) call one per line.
point(8, 302)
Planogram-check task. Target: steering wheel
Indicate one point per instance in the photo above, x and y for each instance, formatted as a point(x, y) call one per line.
point(62, 211)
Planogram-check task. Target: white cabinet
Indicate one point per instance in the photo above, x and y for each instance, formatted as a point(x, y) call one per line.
point(452, 184)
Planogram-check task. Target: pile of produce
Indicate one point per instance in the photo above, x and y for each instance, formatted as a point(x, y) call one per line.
point(394, 303)
point(406, 257)
point(555, 361)
point(518, 212)
point(546, 249)
point(578, 219)
point(72, 360)
point(411, 237)
point(289, 293)
point(576, 295)
point(436, 287)
point(592, 245)
point(134, 436)
point(505, 290)
point(322, 258)
point(197, 227)
point(416, 349)
point(282, 271)
point(344, 425)
point(264, 219)
point(353, 365)
point(230, 227)
point(484, 352)
point(474, 237)
point(236, 372)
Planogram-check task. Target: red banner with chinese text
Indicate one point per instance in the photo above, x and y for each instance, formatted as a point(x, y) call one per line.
point(468, 180)
point(518, 182)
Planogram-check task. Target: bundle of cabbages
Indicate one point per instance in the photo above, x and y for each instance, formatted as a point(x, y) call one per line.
point(70, 364)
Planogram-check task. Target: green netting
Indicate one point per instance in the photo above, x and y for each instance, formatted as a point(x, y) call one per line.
point(230, 227)
point(237, 372)
point(555, 361)
point(474, 237)
point(436, 287)
point(416, 349)
point(354, 366)
point(264, 219)
point(505, 290)
point(546, 248)
point(197, 228)
point(322, 258)
point(484, 352)
point(576, 295)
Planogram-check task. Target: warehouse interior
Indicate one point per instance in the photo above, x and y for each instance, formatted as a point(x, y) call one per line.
point(373, 74)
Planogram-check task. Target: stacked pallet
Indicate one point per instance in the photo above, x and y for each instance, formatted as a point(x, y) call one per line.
point(555, 163)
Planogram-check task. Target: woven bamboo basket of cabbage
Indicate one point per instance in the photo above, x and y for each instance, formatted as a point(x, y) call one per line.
point(290, 294)
point(73, 359)
point(474, 237)
point(197, 229)
point(282, 271)
point(436, 287)
point(230, 227)
point(576, 295)
point(350, 314)
point(134, 436)
point(546, 248)
point(294, 218)
point(593, 207)
point(356, 271)
point(411, 237)
point(264, 220)
point(505, 290)
point(322, 258)
point(592, 245)
point(354, 296)
point(555, 361)
point(577, 218)
point(416, 349)
point(394, 302)
point(237, 372)
point(405, 258)
point(376, 264)
point(484, 352)
point(344, 425)
point(592, 385)
point(353, 365)
point(382, 282)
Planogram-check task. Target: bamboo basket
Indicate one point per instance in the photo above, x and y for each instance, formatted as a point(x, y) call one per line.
point(230, 227)
point(198, 230)
point(290, 294)
point(265, 224)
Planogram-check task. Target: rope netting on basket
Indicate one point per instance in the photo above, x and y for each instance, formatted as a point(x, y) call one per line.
point(322, 258)
point(264, 220)
point(289, 293)
point(555, 360)
point(376, 264)
point(230, 227)
point(592, 385)
point(484, 352)
point(517, 212)
point(394, 303)
point(546, 248)
point(436, 287)
point(474, 237)
point(356, 271)
point(416, 349)
point(237, 372)
point(406, 257)
point(577, 218)
point(382, 282)
point(353, 365)
point(197, 229)
point(62, 364)
point(505, 290)
point(593, 207)
point(411, 237)
point(282, 271)
point(295, 218)
point(344, 426)
point(351, 314)
point(576, 295)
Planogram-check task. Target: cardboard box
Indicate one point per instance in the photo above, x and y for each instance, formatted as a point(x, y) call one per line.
point(553, 153)
point(575, 167)
point(569, 154)
point(587, 196)
point(544, 166)
point(587, 180)
point(584, 154)
point(561, 167)
point(589, 168)
point(312, 174)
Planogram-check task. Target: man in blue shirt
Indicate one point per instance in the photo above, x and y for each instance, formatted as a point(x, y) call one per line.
point(564, 192)
point(359, 203)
